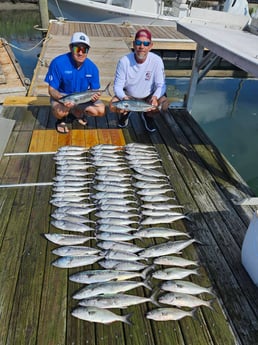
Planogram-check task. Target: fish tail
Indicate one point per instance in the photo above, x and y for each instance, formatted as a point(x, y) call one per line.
point(127, 319)
point(146, 272)
point(153, 298)
point(106, 90)
point(146, 283)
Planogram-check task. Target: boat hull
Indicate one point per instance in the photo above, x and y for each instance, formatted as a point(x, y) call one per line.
point(98, 12)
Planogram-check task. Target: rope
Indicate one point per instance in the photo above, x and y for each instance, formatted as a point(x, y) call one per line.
point(59, 9)
point(20, 49)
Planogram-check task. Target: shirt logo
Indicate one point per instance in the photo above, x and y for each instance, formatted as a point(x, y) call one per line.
point(147, 75)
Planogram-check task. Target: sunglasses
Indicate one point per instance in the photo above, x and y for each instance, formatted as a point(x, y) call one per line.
point(139, 43)
point(83, 49)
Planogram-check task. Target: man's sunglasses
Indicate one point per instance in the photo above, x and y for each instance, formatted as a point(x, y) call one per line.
point(139, 43)
point(83, 49)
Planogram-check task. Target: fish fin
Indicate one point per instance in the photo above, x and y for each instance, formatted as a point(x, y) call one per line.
point(107, 89)
point(127, 319)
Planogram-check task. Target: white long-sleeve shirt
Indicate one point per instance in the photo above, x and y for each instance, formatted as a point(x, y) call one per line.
point(140, 80)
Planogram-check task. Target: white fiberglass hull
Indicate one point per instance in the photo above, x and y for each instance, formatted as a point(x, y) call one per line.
point(91, 11)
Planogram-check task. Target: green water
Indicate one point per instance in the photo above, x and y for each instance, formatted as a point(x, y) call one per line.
point(17, 28)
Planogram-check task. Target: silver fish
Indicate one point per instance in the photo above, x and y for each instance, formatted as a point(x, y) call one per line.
point(108, 288)
point(75, 251)
point(116, 207)
point(153, 191)
point(162, 220)
point(184, 286)
point(160, 206)
point(83, 97)
point(149, 185)
point(133, 105)
point(166, 314)
point(106, 147)
point(74, 210)
point(115, 201)
point(118, 300)
point(75, 261)
point(62, 157)
point(73, 184)
point(184, 300)
point(119, 255)
point(156, 198)
point(110, 178)
point(100, 276)
point(64, 201)
point(174, 261)
point(99, 315)
point(160, 232)
point(172, 273)
point(70, 226)
point(115, 228)
point(66, 178)
point(67, 239)
point(149, 172)
point(111, 188)
point(121, 246)
point(116, 221)
point(146, 178)
point(69, 194)
point(160, 213)
point(110, 195)
point(114, 236)
point(122, 265)
point(77, 219)
point(116, 214)
point(167, 248)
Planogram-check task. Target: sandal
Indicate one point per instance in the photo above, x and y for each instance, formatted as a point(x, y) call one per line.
point(61, 127)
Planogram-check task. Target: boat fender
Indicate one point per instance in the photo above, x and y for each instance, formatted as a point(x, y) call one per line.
point(249, 253)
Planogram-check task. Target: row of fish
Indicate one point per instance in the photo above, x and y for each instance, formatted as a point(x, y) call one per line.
point(123, 190)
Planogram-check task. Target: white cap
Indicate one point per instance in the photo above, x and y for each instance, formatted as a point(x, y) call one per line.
point(80, 37)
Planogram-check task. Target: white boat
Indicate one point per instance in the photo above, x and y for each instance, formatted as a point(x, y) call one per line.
point(143, 12)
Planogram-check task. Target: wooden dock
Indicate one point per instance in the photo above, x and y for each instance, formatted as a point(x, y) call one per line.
point(12, 79)
point(36, 297)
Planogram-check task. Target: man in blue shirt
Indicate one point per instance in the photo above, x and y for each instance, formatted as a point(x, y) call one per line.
point(70, 73)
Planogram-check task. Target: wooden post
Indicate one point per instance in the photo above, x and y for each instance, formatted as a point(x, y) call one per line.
point(43, 7)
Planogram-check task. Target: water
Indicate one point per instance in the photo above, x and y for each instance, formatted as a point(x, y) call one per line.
point(226, 109)
point(16, 27)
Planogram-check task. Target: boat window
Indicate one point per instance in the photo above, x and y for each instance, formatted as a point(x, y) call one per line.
point(120, 3)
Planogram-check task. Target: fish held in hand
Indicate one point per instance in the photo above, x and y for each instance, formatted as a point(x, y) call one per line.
point(133, 105)
point(83, 97)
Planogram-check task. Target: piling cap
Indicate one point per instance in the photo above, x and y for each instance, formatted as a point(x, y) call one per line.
point(80, 37)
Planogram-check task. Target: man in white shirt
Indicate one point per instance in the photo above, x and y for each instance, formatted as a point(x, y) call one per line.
point(140, 75)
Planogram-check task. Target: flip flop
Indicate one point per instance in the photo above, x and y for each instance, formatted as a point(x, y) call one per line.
point(61, 127)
